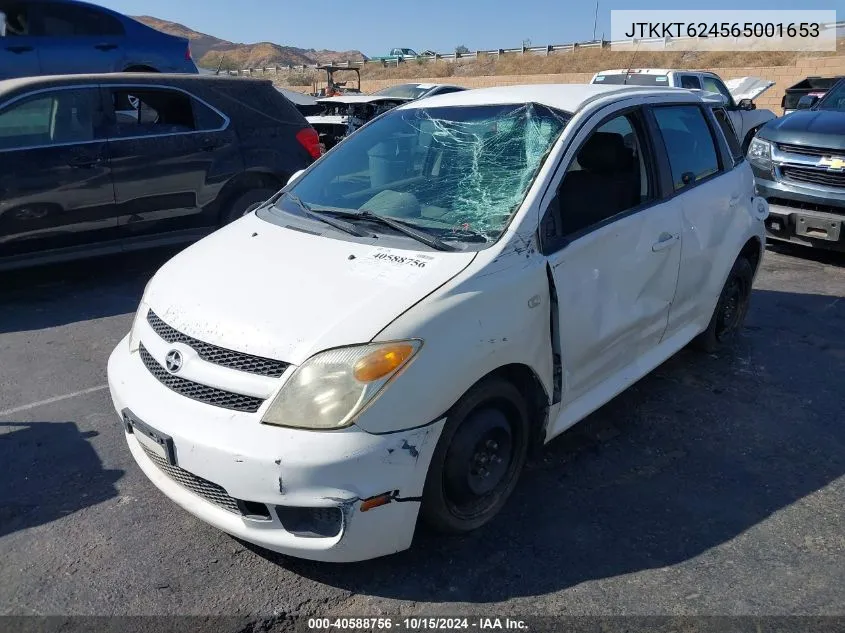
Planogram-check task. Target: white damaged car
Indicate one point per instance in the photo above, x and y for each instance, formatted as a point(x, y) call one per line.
point(460, 279)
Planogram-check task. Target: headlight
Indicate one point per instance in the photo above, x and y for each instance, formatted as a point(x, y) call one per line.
point(760, 153)
point(140, 313)
point(329, 389)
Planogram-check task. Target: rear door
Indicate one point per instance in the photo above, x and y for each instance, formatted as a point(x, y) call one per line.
point(18, 49)
point(55, 182)
point(708, 191)
point(613, 248)
point(171, 154)
point(76, 38)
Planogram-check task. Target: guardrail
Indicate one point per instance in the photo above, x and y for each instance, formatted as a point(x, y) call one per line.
point(551, 49)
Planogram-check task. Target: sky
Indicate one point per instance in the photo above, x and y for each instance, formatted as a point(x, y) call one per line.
point(374, 27)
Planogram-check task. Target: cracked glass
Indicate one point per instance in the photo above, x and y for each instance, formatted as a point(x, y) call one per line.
point(454, 171)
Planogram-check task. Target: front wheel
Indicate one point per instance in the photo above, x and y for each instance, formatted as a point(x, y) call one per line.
point(478, 458)
point(731, 309)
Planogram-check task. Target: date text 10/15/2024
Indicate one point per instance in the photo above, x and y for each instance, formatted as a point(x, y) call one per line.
point(417, 623)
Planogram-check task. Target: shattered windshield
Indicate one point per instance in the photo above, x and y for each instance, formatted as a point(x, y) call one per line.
point(404, 91)
point(451, 171)
point(834, 99)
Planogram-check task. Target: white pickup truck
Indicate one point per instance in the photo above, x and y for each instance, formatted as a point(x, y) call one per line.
point(739, 93)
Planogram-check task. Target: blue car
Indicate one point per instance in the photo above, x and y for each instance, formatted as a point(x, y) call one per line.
point(61, 37)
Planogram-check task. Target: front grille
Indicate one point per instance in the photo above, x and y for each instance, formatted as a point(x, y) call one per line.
point(814, 176)
point(199, 486)
point(218, 355)
point(808, 151)
point(194, 390)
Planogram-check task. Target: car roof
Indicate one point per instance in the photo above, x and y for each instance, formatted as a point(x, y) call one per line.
point(50, 81)
point(567, 97)
point(651, 71)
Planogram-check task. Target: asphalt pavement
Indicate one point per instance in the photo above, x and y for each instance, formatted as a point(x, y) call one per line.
point(713, 486)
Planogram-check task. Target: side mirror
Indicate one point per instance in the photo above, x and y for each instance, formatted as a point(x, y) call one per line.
point(746, 104)
point(806, 102)
point(295, 175)
point(2, 24)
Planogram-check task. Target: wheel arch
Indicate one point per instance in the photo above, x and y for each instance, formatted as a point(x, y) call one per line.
point(243, 182)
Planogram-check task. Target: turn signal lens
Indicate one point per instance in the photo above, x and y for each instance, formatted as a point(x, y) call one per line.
point(382, 362)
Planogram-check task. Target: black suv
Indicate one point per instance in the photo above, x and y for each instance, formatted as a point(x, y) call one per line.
point(799, 166)
point(96, 164)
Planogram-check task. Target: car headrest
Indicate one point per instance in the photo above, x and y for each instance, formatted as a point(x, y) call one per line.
point(605, 152)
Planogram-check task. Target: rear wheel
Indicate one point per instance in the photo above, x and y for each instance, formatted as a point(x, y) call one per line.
point(243, 203)
point(478, 458)
point(731, 309)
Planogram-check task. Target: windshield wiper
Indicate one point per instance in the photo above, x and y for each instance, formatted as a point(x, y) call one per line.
point(418, 234)
point(346, 227)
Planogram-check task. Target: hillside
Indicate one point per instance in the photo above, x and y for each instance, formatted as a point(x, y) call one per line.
point(208, 51)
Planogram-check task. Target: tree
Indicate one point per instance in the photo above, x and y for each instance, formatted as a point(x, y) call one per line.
point(461, 50)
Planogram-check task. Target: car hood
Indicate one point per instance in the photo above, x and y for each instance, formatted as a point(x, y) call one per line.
point(263, 289)
point(816, 128)
point(747, 87)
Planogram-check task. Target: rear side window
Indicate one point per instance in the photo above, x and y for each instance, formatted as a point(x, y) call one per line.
point(690, 82)
point(17, 19)
point(205, 118)
point(689, 143)
point(60, 19)
point(730, 134)
point(60, 117)
point(150, 112)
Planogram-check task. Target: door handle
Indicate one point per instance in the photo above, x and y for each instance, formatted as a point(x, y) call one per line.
point(665, 241)
point(85, 161)
point(19, 49)
point(106, 47)
point(209, 145)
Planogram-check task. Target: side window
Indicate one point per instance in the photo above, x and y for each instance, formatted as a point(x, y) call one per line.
point(727, 128)
point(610, 174)
point(63, 116)
point(689, 143)
point(60, 19)
point(205, 118)
point(711, 84)
point(17, 19)
point(691, 82)
point(150, 112)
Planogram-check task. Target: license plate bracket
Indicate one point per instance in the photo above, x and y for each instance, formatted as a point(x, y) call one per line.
point(159, 443)
point(818, 228)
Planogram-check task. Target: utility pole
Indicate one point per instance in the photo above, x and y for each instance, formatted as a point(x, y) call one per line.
point(595, 20)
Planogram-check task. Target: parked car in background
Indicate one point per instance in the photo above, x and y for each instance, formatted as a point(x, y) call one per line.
point(739, 94)
point(799, 165)
point(417, 91)
point(810, 88)
point(397, 55)
point(340, 116)
point(95, 164)
point(465, 277)
point(61, 37)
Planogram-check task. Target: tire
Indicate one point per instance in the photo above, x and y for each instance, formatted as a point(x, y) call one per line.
point(488, 430)
point(731, 309)
point(243, 203)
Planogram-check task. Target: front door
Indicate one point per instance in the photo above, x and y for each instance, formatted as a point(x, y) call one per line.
point(18, 48)
point(165, 149)
point(55, 183)
point(614, 261)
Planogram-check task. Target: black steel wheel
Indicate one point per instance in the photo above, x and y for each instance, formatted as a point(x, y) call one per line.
point(731, 309)
point(478, 459)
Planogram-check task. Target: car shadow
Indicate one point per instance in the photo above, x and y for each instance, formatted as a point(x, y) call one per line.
point(50, 470)
point(822, 256)
point(58, 294)
point(688, 459)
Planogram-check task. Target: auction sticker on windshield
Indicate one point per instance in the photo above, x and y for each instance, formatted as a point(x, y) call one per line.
point(392, 266)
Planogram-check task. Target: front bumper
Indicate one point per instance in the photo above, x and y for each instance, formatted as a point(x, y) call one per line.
point(806, 215)
point(225, 457)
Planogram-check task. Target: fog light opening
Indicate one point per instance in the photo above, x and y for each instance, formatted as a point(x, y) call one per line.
point(311, 522)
